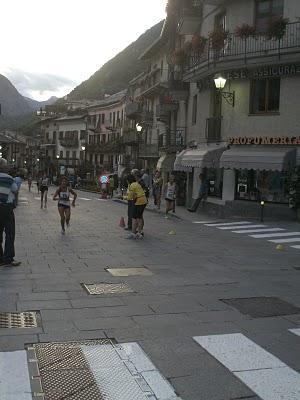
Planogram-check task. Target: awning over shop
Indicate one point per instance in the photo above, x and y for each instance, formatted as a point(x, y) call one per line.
point(259, 158)
point(166, 163)
point(203, 157)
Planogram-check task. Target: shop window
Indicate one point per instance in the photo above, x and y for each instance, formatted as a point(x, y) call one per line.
point(265, 96)
point(194, 110)
point(262, 185)
point(215, 182)
point(266, 12)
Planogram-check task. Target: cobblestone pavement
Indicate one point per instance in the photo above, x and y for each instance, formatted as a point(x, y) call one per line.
point(174, 312)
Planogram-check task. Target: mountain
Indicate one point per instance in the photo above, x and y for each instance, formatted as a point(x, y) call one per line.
point(12, 102)
point(35, 105)
point(115, 75)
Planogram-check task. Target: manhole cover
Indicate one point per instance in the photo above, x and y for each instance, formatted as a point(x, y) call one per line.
point(18, 320)
point(129, 271)
point(259, 307)
point(107, 288)
point(63, 371)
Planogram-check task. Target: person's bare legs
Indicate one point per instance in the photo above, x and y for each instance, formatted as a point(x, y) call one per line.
point(62, 218)
point(68, 216)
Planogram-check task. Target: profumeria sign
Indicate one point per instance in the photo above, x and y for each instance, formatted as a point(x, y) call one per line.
point(260, 140)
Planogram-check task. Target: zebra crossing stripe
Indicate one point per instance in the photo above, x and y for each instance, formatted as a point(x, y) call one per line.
point(270, 235)
point(264, 374)
point(240, 227)
point(296, 331)
point(290, 240)
point(260, 230)
point(126, 373)
point(296, 247)
point(230, 223)
point(14, 380)
point(204, 222)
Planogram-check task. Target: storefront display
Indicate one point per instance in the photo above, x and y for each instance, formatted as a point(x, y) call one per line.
point(215, 181)
point(271, 186)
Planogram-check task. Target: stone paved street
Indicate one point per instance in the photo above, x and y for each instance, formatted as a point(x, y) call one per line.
point(191, 267)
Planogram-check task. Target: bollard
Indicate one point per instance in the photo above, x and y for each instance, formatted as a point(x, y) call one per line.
point(262, 205)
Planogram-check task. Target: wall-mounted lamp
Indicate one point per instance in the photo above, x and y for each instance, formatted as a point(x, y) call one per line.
point(220, 83)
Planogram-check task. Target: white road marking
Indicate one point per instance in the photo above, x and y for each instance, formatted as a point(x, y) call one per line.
point(84, 198)
point(230, 223)
point(203, 222)
point(291, 240)
point(239, 227)
point(260, 230)
point(14, 376)
point(264, 374)
point(269, 235)
point(296, 247)
point(296, 331)
point(124, 372)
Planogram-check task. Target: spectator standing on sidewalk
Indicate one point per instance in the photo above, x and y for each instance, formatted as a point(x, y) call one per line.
point(18, 181)
point(170, 194)
point(29, 179)
point(8, 190)
point(130, 203)
point(137, 193)
point(146, 180)
point(203, 193)
point(157, 188)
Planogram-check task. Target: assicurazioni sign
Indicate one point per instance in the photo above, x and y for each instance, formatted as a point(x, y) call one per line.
point(264, 140)
point(271, 71)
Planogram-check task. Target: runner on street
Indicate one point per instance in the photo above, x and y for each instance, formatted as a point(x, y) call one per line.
point(44, 190)
point(64, 204)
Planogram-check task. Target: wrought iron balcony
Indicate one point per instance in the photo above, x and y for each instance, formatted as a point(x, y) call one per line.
point(148, 150)
point(172, 140)
point(69, 142)
point(213, 129)
point(130, 137)
point(133, 110)
point(237, 52)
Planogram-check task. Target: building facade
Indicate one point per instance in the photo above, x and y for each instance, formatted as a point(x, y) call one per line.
point(244, 135)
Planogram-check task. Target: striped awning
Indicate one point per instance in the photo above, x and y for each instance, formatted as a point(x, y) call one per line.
point(166, 163)
point(207, 156)
point(259, 158)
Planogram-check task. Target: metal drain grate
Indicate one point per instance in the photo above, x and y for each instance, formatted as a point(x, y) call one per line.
point(107, 288)
point(63, 372)
point(260, 307)
point(129, 271)
point(18, 320)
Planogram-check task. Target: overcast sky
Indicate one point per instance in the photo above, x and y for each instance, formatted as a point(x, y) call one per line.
point(49, 47)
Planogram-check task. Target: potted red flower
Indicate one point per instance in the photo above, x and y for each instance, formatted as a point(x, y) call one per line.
point(217, 38)
point(198, 43)
point(277, 28)
point(244, 31)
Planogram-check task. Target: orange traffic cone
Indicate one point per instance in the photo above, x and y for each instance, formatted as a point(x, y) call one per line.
point(122, 223)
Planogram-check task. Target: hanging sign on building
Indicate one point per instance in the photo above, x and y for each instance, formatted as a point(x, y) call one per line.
point(264, 140)
point(272, 71)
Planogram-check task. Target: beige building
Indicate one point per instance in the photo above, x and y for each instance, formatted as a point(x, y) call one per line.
point(244, 135)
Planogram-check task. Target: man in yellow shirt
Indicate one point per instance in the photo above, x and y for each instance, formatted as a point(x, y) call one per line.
point(137, 194)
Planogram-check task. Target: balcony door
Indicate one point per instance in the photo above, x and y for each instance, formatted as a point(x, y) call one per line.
point(266, 12)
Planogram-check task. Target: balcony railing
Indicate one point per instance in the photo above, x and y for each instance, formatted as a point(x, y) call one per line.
point(147, 150)
point(65, 142)
point(213, 129)
point(238, 52)
point(173, 140)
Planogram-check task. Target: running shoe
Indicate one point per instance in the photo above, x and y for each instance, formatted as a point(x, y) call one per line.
point(12, 264)
point(132, 236)
point(139, 236)
point(63, 232)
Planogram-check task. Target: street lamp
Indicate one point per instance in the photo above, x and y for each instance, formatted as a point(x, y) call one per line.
point(139, 129)
point(83, 148)
point(220, 83)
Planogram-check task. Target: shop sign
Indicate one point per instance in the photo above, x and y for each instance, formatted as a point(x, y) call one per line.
point(272, 71)
point(264, 140)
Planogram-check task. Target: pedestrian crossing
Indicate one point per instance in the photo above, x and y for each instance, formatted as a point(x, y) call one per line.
point(266, 375)
point(275, 235)
point(126, 372)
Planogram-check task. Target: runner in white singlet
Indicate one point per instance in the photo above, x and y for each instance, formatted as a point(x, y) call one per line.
point(64, 203)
